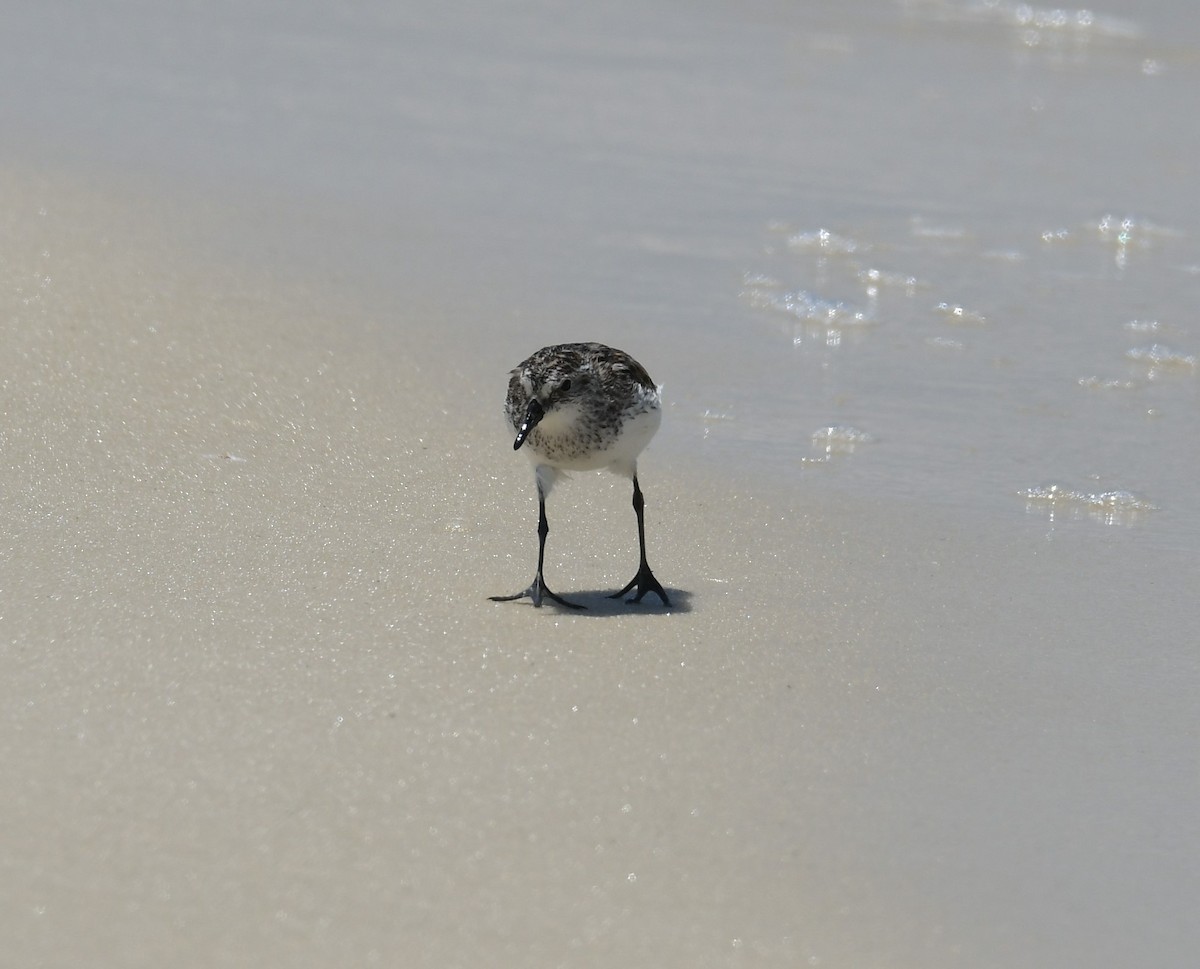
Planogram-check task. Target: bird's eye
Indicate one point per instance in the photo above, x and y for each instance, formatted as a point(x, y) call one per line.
point(564, 387)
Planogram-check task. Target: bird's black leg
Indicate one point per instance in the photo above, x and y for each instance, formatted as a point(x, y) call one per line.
point(537, 588)
point(644, 580)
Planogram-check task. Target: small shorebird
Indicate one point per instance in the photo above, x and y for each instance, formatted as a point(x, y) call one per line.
point(583, 407)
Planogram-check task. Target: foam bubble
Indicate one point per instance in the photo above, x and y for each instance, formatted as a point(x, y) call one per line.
point(1117, 507)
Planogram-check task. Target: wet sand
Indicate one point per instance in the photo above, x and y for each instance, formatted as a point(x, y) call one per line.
point(923, 703)
point(259, 711)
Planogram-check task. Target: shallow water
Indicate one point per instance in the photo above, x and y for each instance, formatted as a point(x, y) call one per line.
point(963, 229)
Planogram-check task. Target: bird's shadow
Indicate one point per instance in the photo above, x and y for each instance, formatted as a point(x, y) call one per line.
point(599, 603)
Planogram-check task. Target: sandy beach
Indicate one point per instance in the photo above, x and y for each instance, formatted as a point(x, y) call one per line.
point(259, 711)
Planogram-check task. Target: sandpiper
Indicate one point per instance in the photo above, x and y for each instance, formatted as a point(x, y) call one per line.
point(583, 407)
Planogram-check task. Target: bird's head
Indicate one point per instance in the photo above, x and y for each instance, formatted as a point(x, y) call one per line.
point(554, 393)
